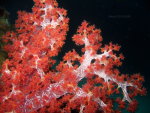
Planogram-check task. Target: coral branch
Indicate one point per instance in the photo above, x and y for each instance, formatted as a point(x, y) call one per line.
point(29, 84)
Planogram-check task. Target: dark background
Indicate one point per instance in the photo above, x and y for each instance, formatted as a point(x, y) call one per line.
point(126, 22)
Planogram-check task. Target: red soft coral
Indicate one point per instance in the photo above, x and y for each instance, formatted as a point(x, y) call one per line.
point(30, 85)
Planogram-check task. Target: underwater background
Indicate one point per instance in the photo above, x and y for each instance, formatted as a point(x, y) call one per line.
point(126, 22)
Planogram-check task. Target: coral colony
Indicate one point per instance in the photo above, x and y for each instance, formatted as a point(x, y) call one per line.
point(28, 84)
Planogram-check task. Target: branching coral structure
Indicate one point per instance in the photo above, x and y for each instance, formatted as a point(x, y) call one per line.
point(29, 84)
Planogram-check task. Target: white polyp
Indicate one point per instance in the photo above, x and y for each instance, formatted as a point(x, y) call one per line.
point(82, 108)
point(47, 21)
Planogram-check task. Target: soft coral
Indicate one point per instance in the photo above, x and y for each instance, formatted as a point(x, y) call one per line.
point(28, 83)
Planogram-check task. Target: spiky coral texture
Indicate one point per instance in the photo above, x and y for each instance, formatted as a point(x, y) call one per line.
point(29, 85)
